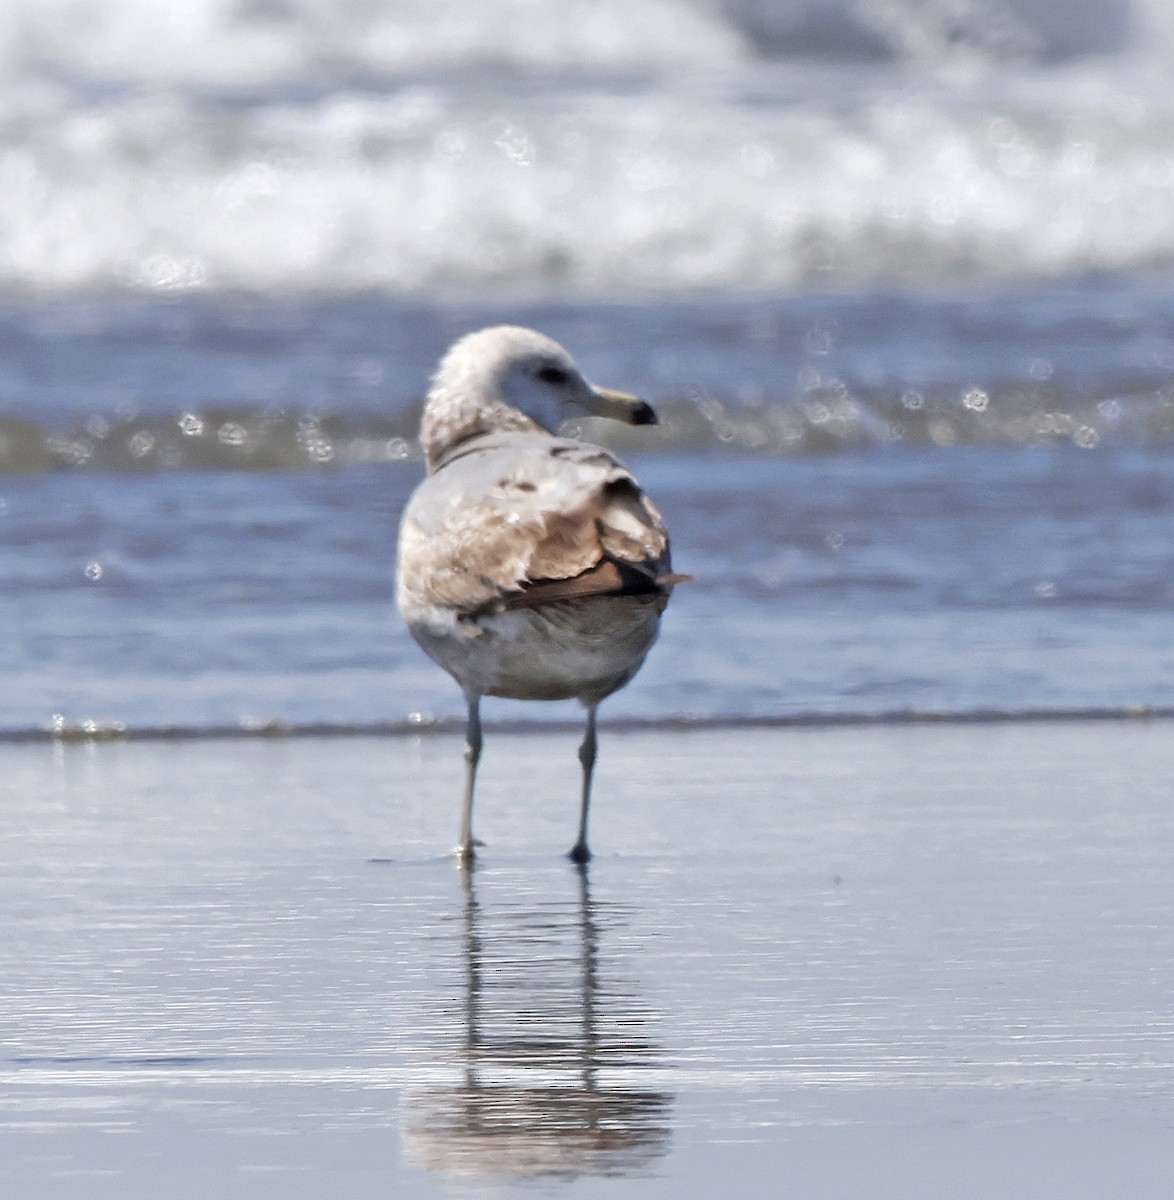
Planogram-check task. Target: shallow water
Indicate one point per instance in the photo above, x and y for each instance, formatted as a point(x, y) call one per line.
point(890, 582)
point(927, 957)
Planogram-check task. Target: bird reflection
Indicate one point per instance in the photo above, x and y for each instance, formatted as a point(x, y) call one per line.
point(547, 1061)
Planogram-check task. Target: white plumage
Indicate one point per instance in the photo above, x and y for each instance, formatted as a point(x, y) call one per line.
point(530, 566)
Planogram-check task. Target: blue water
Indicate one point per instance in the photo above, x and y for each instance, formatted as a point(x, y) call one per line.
point(881, 580)
point(897, 282)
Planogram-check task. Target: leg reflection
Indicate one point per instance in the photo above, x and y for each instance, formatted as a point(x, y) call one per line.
point(550, 1054)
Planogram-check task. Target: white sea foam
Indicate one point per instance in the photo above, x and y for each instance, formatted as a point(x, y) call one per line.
point(593, 146)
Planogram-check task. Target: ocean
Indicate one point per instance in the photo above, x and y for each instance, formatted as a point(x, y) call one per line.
point(883, 850)
point(896, 278)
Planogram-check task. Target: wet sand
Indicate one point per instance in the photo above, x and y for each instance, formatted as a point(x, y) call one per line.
point(902, 962)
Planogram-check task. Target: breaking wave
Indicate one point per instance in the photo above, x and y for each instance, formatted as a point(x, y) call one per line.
point(597, 146)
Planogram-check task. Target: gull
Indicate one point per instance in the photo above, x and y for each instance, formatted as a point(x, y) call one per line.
point(531, 566)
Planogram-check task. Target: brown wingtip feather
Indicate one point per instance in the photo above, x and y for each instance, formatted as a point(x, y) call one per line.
point(606, 579)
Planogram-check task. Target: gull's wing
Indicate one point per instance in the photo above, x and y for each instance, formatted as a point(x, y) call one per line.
point(521, 519)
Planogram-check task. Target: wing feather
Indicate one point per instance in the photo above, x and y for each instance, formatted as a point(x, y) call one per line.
point(523, 511)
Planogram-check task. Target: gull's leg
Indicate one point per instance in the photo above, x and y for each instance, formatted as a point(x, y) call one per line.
point(579, 852)
point(464, 848)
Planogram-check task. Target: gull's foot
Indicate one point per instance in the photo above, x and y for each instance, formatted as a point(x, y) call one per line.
point(465, 853)
point(579, 853)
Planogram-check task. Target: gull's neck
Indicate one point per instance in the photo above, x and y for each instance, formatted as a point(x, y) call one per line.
point(452, 417)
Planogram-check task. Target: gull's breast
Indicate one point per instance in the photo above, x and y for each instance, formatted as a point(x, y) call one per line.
point(583, 649)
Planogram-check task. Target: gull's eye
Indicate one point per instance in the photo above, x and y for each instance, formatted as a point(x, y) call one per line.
point(554, 375)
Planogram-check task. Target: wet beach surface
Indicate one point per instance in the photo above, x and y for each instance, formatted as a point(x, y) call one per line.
point(897, 280)
point(922, 959)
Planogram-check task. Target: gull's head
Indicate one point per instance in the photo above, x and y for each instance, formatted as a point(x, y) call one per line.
point(509, 378)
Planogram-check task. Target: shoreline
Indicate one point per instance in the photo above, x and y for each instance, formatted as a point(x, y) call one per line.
point(87, 732)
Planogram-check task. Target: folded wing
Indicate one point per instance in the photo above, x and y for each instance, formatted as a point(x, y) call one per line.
point(520, 520)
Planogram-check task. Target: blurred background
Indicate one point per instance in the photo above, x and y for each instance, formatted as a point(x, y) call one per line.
point(895, 272)
point(593, 147)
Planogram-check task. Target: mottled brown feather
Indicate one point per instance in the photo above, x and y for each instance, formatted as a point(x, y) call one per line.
point(531, 528)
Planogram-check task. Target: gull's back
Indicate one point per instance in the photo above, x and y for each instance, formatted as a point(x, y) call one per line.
point(531, 566)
